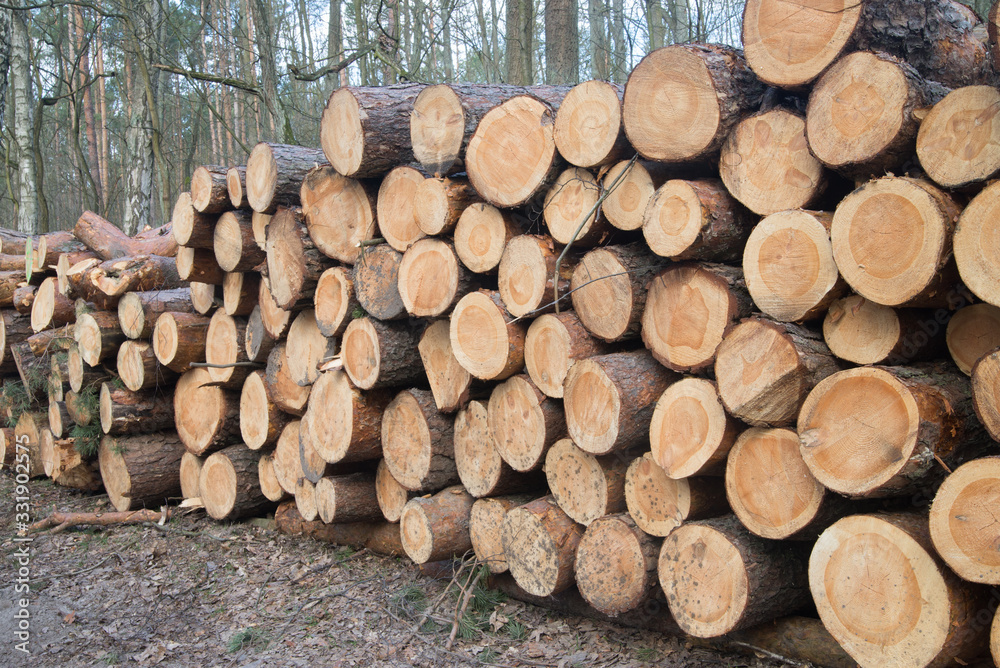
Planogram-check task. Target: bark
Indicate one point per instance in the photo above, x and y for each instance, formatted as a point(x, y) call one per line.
point(436, 528)
point(109, 242)
point(376, 282)
point(562, 42)
point(128, 412)
point(378, 537)
point(22, 103)
point(141, 470)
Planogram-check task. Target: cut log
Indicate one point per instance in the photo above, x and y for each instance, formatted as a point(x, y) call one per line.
point(203, 296)
point(571, 204)
point(137, 273)
point(335, 301)
point(690, 432)
point(294, 264)
point(449, 381)
point(540, 541)
point(141, 471)
point(859, 330)
point(616, 564)
point(229, 484)
point(190, 227)
point(139, 311)
point(986, 392)
point(210, 189)
point(98, 336)
point(485, 339)
point(179, 340)
point(610, 400)
point(191, 475)
point(340, 212)
point(236, 185)
point(766, 163)
point(275, 173)
point(51, 308)
point(261, 420)
point(681, 101)
point(68, 467)
point(275, 319)
point(973, 332)
point(32, 370)
point(257, 342)
point(627, 196)
point(956, 142)
point(15, 328)
point(431, 280)
point(862, 118)
point(364, 131)
point(81, 408)
point(380, 354)
point(348, 498)
point(485, 523)
point(527, 275)
point(392, 497)
point(609, 289)
point(24, 297)
point(50, 342)
point(129, 412)
point(882, 431)
point(512, 154)
point(892, 242)
point(307, 348)
point(690, 308)
point(395, 211)
point(888, 599)
point(437, 527)
point(27, 443)
point(975, 250)
point(82, 376)
point(14, 263)
point(696, 220)
point(659, 504)
point(9, 282)
point(58, 376)
point(59, 424)
point(207, 417)
point(589, 131)
point(235, 247)
point(378, 537)
point(961, 522)
point(585, 486)
point(524, 423)
point(439, 202)
point(284, 391)
point(286, 459)
point(240, 292)
point(718, 577)
point(376, 283)
point(199, 265)
point(553, 343)
point(224, 350)
point(481, 469)
point(259, 221)
point(342, 423)
point(110, 242)
point(139, 369)
point(481, 234)
point(268, 480)
point(789, 268)
point(417, 442)
point(765, 369)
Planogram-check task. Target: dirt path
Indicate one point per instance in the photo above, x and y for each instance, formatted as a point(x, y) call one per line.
point(200, 593)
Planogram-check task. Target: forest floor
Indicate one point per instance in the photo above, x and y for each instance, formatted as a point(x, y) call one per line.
point(201, 593)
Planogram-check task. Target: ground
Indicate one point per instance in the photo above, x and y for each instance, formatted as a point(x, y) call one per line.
point(201, 593)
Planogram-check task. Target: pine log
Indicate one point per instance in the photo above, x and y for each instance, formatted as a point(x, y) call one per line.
point(481, 234)
point(286, 459)
point(659, 504)
point(342, 423)
point(58, 376)
point(59, 423)
point(540, 542)
point(862, 118)
point(51, 308)
point(8, 447)
point(417, 442)
point(275, 173)
point(986, 392)
point(236, 185)
point(485, 524)
point(13, 263)
point(586, 487)
point(377, 537)
point(51, 341)
point(190, 227)
point(348, 498)
point(141, 471)
point(392, 497)
point(235, 248)
point(449, 381)
point(512, 155)
point(224, 350)
point(139, 369)
point(882, 431)
point(626, 197)
point(203, 296)
point(696, 220)
point(98, 336)
point(229, 484)
point(571, 204)
point(524, 423)
point(259, 221)
point(210, 189)
point(681, 101)
point(268, 480)
point(690, 308)
point(179, 340)
point(334, 301)
point(527, 277)
point(274, 318)
point(191, 466)
point(437, 527)
point(23, 298)
point(69, 468)
point(340, 212)
point(973, 332)
point(767, 166)
point(616, 564)
point(137, 273)
point(438, 203)
point(307, 348)
point(257, 342)
point(553, 343)
point(207, 417)
point(789, 46)
point(376, 282)
point(610, 287)
point(240, 292)
point(12, 242)
point(27, 444)
point(110, 242)
point(485, 339)
point(860, 331)
point(889, 600)
point(718, 577)
point(892, 242)
point(81, 408)
point(480, 467)
point(82, 376)
point(956, 141)
point(294, 264)
point(15, 328)
point(380, 354)
point(284, 391)
point(261, 420)
point(395, 211)
point(305, 500)
point(130, 412)
point(139, 311)
point(961, 522)
point(364, 130)
point(199, 265)
point(431, 280)
point(690, 432)
point(589, 132)
point(9, 282)
point(31, 370)
point(610, 399)
point(974, 246)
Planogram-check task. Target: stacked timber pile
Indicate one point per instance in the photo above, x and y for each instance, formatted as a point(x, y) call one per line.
point(708, 342)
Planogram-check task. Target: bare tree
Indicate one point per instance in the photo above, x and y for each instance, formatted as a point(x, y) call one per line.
point(21, 90)
point(139, 134)
point(264, 39)
point(562, 42)
point(5, 19)
point(520, 32)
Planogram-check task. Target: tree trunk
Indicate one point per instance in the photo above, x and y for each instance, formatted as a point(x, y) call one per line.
point(524, 423)
point(307, 348)
point(268, 480)
point(380, 354)
point(553, 343)
point(562, 42)
point(80, 411)
point(138, 312)
point(616, 564)
point(571, 204)
point(376, 283)
point(348, 498)
point(340, 212)
point(960, 526)
point(27, 443)
point(294, 264)
point(585, 486)
point(98, 336)
point(481, 235)
point(659, 504)
point(207, 417)
point(284, 391)
point(527, 274)
point(287, 458)
point(138, 273)
point(397, 221)
point(431, 280)
point(58, 420)
point(179, 340)
point(51, 308)
point(335, 301)
point(236, 250)
point(480, 467)
point(540, 541)
point(127, 412)
point(863, 332)
point(974, 255)
point(229, 484)
point(956, 158)
point(986, 392)
point(69, 468)
point(275, 173)
point(972, 333)
point(379, 537)
point(625, 203)
point(22, 103)
point(199, 265)
point(344, 424)
point(696, 220)
point(141, 471)
point(14, 329)
point(210, 189)
point(80, 374)
point(519, 47)
point(224, 351)
point(203, 297)
point(23, 299)
point(257, 342)
point(485, 339)
point(437, 527)
point(417, 442)
point(191, 466)
point(261, 420)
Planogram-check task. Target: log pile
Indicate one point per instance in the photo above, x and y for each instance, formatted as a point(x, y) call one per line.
point(731, 412)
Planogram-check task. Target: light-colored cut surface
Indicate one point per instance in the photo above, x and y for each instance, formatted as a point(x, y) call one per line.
point(977, 244)
point(972, 332)
point(859, 330)
point(588, 123)
point(689, 428)
point(959, 140)
point(571, 202)
point(963, 522)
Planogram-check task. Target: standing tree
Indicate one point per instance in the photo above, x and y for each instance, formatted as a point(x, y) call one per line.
point(562, 42)
point(21, 95)
point(520, 24)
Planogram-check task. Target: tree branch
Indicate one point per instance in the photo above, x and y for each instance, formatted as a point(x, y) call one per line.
point(239, 84)
point(330, 69)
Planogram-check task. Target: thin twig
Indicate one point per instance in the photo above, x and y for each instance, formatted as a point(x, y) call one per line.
point(208, 365)
point(470, 590)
